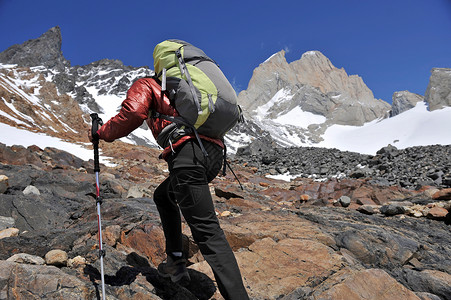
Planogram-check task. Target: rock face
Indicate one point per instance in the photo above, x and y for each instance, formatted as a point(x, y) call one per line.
point(403, 101)
point(316, 86)
point(296, 102)
point(43, 51)
point(438, 92)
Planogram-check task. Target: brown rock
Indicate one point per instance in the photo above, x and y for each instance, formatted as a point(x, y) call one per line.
point(139, 289)
point(147, 240)
point(273, 268)
point(76, 262)
point(444, 194)
point(304, 197)
point(368, 284)
point(56, 258)
point(112, 235)
point(437, 213)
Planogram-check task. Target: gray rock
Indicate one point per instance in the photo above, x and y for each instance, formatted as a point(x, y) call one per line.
point(345, 201)
point(392, 209)
point(53, 282)
point(438, 92)
point(388, 150)
point(427, 296)
point(403, 101)
point(431, 281)
point(43, 51)
point(31, 190)
point(6, 222)
point(138, 192)
point(24, 258)
point(366, 209)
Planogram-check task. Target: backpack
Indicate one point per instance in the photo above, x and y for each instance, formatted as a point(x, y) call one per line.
point(197, 89)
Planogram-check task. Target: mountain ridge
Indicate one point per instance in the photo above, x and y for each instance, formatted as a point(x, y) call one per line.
point(311, 90)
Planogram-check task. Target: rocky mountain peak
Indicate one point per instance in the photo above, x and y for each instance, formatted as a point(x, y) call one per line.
point(404, 100)
point(277, 58)
point(315, 60)
point(311, 84)
point(438, 93)
point(42, 51)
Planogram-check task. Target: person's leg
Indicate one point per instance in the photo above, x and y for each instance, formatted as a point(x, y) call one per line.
point(192, 193)
point(170, 216)
point(175, 265)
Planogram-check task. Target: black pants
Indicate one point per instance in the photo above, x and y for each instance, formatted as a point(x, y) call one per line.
point(187, 188)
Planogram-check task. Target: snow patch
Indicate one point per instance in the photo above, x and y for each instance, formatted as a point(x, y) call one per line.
point(281, 95)
point(414, 127)
point(14, 136)
point(298, 117)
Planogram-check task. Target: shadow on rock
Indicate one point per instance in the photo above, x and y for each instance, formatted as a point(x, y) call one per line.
point(200, 286)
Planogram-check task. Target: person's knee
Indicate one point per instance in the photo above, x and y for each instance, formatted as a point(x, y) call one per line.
point(161, 194)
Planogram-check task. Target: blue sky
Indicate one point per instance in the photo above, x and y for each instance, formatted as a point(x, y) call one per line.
point(391, 44)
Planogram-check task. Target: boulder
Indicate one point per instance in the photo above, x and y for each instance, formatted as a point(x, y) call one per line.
point(25, 258)
point(345, 201)
point(431, 281)
point(111, 234)
point(76, 262)
point(31, 190)
point(437, 213)
point(56, 258)
point(6, 222)
point(3, 183)
point(9, 232)
point(41, 282)
point(392, 209)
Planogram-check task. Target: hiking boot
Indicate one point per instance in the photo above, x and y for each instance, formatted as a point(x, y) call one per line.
point(174, 268)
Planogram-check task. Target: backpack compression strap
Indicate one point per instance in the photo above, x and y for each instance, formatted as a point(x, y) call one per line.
point(184, 70)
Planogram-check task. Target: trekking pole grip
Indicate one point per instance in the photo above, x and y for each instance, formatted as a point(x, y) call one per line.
point(96, 121)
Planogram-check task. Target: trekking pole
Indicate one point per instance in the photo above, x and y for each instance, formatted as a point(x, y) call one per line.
point(96, 121)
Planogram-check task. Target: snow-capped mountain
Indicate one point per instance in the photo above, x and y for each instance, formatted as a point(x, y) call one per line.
point(308, 102)
point(45, 94)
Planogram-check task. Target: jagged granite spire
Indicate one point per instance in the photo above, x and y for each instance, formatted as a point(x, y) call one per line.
point(315, 85)
point(43, 51)
point(403, 101)
point(438, 93)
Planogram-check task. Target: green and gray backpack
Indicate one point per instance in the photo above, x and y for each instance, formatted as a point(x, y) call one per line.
point(197, 88)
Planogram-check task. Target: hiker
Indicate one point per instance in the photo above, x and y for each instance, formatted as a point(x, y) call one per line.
point(193, 161)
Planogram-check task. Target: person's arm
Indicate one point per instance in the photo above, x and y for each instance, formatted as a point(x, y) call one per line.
point(135, 110)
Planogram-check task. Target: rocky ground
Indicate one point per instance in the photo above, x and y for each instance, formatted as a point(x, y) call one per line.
point(410, 168)
point(358, 233)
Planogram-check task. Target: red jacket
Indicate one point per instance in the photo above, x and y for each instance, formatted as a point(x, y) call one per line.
point(143, 97)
